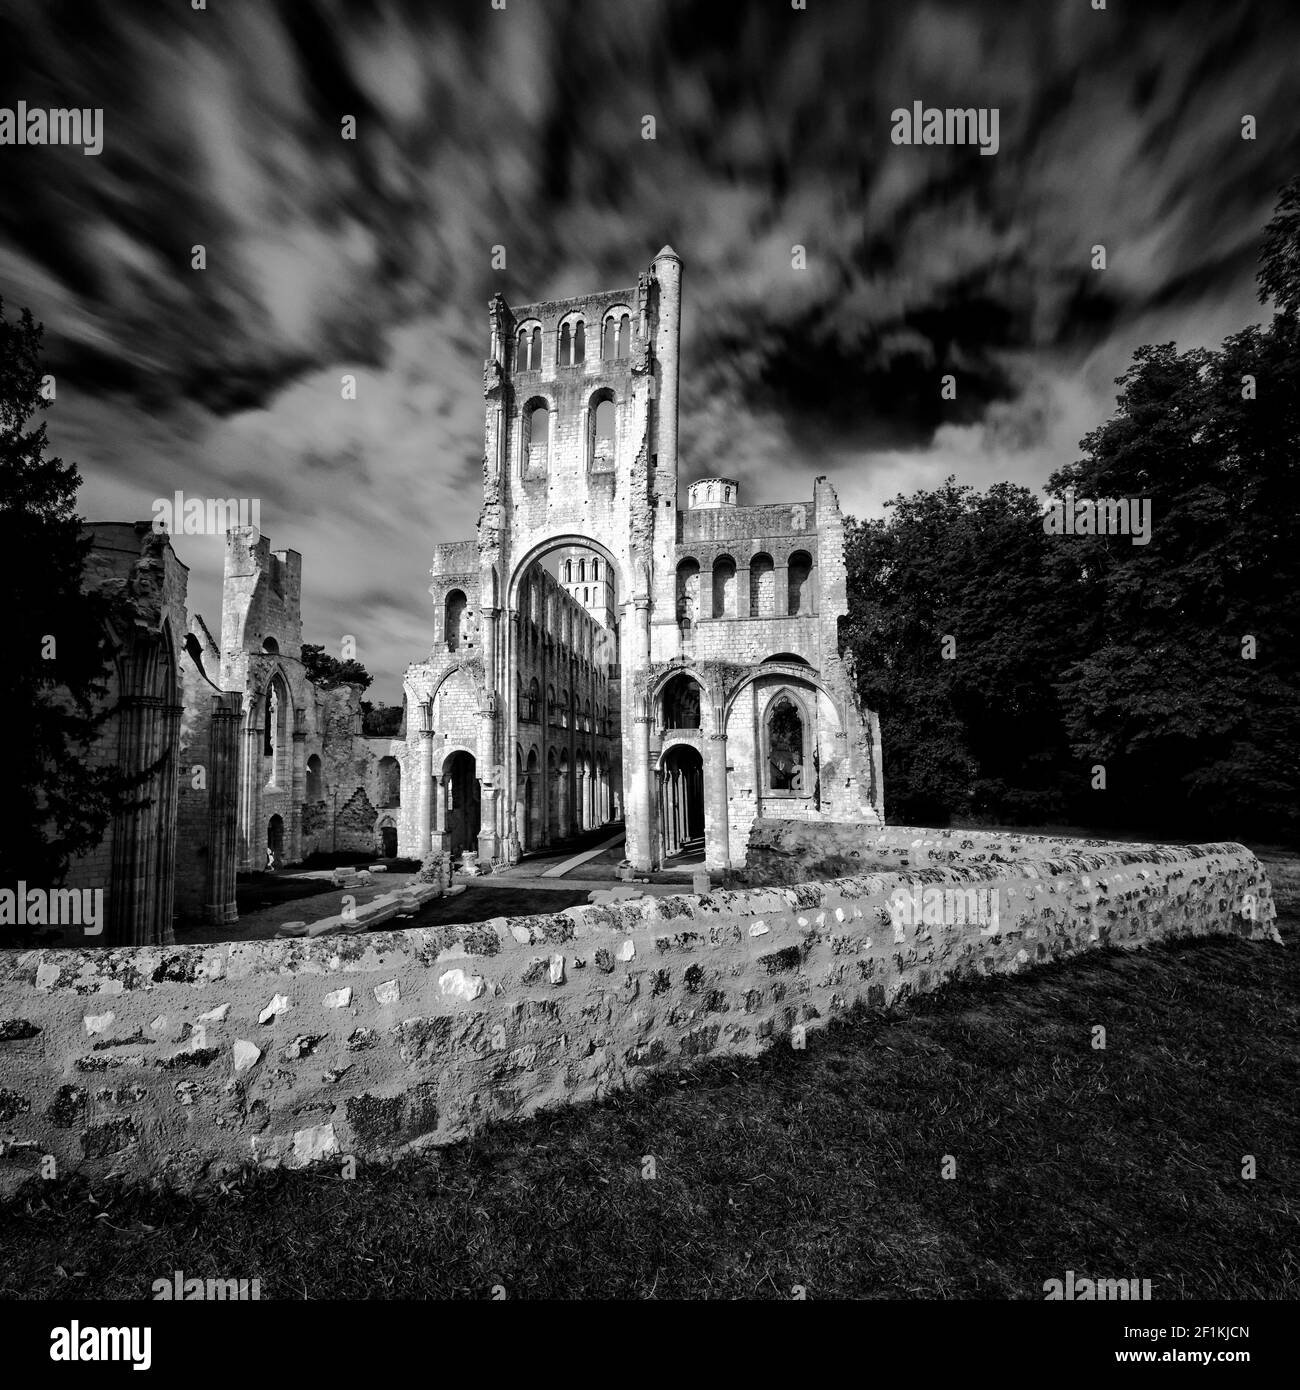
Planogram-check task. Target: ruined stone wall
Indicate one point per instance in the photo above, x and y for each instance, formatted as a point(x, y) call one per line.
point(183, 1061)
point(783, 850)
point(354, 827)
point(94, 869)
point(146, 698)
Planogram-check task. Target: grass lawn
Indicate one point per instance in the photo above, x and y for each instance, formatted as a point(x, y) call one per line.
point(818, 1168)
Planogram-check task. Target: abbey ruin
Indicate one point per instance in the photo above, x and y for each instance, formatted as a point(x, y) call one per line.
point(599, 655)
point(599, 649)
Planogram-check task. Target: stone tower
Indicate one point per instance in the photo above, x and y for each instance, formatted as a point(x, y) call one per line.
point(261, 657)
point(600, 649)
point(581, 450)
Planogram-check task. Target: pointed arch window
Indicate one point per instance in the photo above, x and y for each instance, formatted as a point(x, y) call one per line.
point(787, 745)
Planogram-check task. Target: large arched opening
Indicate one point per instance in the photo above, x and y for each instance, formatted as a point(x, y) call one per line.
point(561, 642)
point(463, 816)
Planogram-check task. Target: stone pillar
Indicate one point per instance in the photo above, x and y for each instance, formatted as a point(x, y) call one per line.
point(297, 788)
point(717, 837)
point(168, 790)
point(424, 792)
point(439, 838)
point(640, 846)
point(742, 591)
point(250, 800)
point(781, 583)
point(218, 906)
point(131, 909)
point(492, 804)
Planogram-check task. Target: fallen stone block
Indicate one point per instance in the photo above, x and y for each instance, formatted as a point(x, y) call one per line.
point(603, 897)
point(327, 926)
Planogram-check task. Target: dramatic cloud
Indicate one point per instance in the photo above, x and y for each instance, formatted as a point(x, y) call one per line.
point(522, 128)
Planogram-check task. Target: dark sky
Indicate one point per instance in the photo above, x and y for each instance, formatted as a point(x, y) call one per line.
point(523, 127)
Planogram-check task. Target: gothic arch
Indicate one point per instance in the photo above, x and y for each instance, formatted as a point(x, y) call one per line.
point(476, 685)
point(796, 780)
point(801, 677)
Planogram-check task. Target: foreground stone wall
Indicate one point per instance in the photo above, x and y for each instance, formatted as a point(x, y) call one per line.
point(178, 1063)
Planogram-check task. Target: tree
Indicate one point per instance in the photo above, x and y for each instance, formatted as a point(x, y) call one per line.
point(1186, 687)
point(955, 643)
point(54, 674)
point(328, 671)
point(1279, 271)
point(381, 720)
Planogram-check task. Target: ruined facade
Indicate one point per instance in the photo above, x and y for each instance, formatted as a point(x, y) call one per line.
point(599, 655)
point(232, 748)
point(169, 851)
point(309, 778)
point(600, 650)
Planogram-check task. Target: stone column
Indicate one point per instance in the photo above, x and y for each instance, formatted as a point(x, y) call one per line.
point(250, 800)
point(742, 591)
point(223, 812)
point(424, 792)
point(297, 787)
point(640, 847)
point(781, 598)
point(131, 913)
point(439, 838)
point(717, 842)
point(492, 805)
point(168, 789)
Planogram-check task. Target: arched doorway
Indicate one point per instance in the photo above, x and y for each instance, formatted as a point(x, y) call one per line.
point(462, 802)
point(388, 839)
point(275, 842)
point(681, 802)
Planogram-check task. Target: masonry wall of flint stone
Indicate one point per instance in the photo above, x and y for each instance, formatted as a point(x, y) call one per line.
point(785, 850)
point(153, 1062)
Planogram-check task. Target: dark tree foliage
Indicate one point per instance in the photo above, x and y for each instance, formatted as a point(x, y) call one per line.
point(54, 676)
point(976, 732)
point(381, 720)
point(1279, 271)
point(329, 671)
point(1186, 681)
